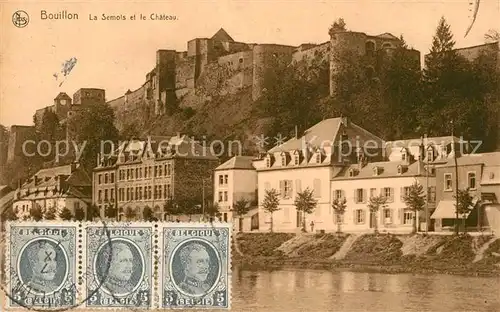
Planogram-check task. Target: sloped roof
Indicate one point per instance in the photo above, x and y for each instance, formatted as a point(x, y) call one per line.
point(387, 169)
point(238, 162)
point(222, 35)
point(487, 159)
point(6, 199)
point(323, 134)
point(444, 140)
point(62, 96)
point(387, 36)
point(49, 177)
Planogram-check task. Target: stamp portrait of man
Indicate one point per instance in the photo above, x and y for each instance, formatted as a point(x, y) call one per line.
point(43, 260)
point(195, 262)
point(120, 260)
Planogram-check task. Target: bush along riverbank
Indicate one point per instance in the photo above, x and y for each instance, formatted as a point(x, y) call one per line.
point(385, 253)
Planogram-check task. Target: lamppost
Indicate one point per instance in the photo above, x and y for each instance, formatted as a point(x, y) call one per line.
point(456, 175)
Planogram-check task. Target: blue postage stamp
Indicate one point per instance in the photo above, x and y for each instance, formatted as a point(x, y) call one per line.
point(119, 265)
point(41, 265)
point(196, 266)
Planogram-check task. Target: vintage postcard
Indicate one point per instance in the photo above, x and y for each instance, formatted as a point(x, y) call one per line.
point(250, 155)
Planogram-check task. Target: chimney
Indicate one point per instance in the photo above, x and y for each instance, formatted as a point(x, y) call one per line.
point(74, 165)
point(419, 165)
point(296, 132)
point(344, 120)
point(35, 177)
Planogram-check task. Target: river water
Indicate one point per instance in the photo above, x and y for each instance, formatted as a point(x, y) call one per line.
point(314, 290)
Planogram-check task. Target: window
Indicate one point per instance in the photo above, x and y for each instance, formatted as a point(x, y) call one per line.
point(225, 196)
point(318, 158)
point(400, 169)
point(221, 179)
point(359, 195)
point(106, 178)
point(405, 191)
point(160, 171)
point(105, 195)
point(169, 191)
point(430, 155)
point(169, 169)
point(471, 178)
point(431, 194)
point(241, 60)
point(373, 192)
point(296, 160)
point(338, 194)
point(387, 216)
point(359, 216)
point(220, 197)
point(128, 174)
point(99, 179)
point(131, 173)
point(268, 162)
point(226, 179)
point(112, 177)
point(388, 193)
point(370, 48)
point(447, 182)
point(145, 172)
point(492, 175)
point(403, 156)
point(352, 172)
point(375, 170)
point(283, 160)
point(408, 217)
point(286, 188)
point(99, 196)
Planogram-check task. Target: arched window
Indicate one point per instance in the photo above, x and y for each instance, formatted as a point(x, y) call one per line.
point(370, 48)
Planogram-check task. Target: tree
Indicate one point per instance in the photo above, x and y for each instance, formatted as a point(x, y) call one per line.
point(465, 205)
point(306, 203)
point(337, 26)
point(212, 209)
point(50, 213)
point(130, 213)
point(171, 208)
point(79, 214)
point(110, 211)
point(49, 129)
point(415, 201)
point(147, 214)
point(36, 212)
point(65, 214)
point(241, 208)
point(339, 206)
point(441, 52)
point(271, 203)
point(83, 129)
point(375, 204)
point(491, 36)
point(10, 214)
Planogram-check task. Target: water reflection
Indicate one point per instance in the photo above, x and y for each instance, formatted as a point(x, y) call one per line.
point(311, 290)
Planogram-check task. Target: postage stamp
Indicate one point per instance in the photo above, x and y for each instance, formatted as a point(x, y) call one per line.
point(119, 265)
point(41, 265)
point(196, 266)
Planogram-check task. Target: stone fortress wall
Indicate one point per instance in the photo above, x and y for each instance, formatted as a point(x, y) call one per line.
point(220, 65)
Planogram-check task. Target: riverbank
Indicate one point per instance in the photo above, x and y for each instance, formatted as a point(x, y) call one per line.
point(383, 253)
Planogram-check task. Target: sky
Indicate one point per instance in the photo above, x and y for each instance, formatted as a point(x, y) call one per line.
point(116, 55)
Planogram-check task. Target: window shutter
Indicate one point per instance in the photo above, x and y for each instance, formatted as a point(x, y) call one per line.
point(363, 213)
point(391, 190)
point(282, 188)
point(298, 186)
point(391, 213)
point(354, 219)
point(400, 215)
point(343, 194)
point(365, 195)
point(402, 190)
point(356, 196)
point(290, 189)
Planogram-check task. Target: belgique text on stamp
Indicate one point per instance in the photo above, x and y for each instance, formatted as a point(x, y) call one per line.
point(119, 265)
point(196, 266)
point(41, 265)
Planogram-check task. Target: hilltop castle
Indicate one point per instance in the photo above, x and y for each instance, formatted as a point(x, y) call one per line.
point(241, 65)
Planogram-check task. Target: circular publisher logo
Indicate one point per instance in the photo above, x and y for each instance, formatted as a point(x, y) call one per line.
point(20, 19)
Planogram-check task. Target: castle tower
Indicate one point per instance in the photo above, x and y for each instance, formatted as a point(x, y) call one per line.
point(164, 81)
point(265, 58)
